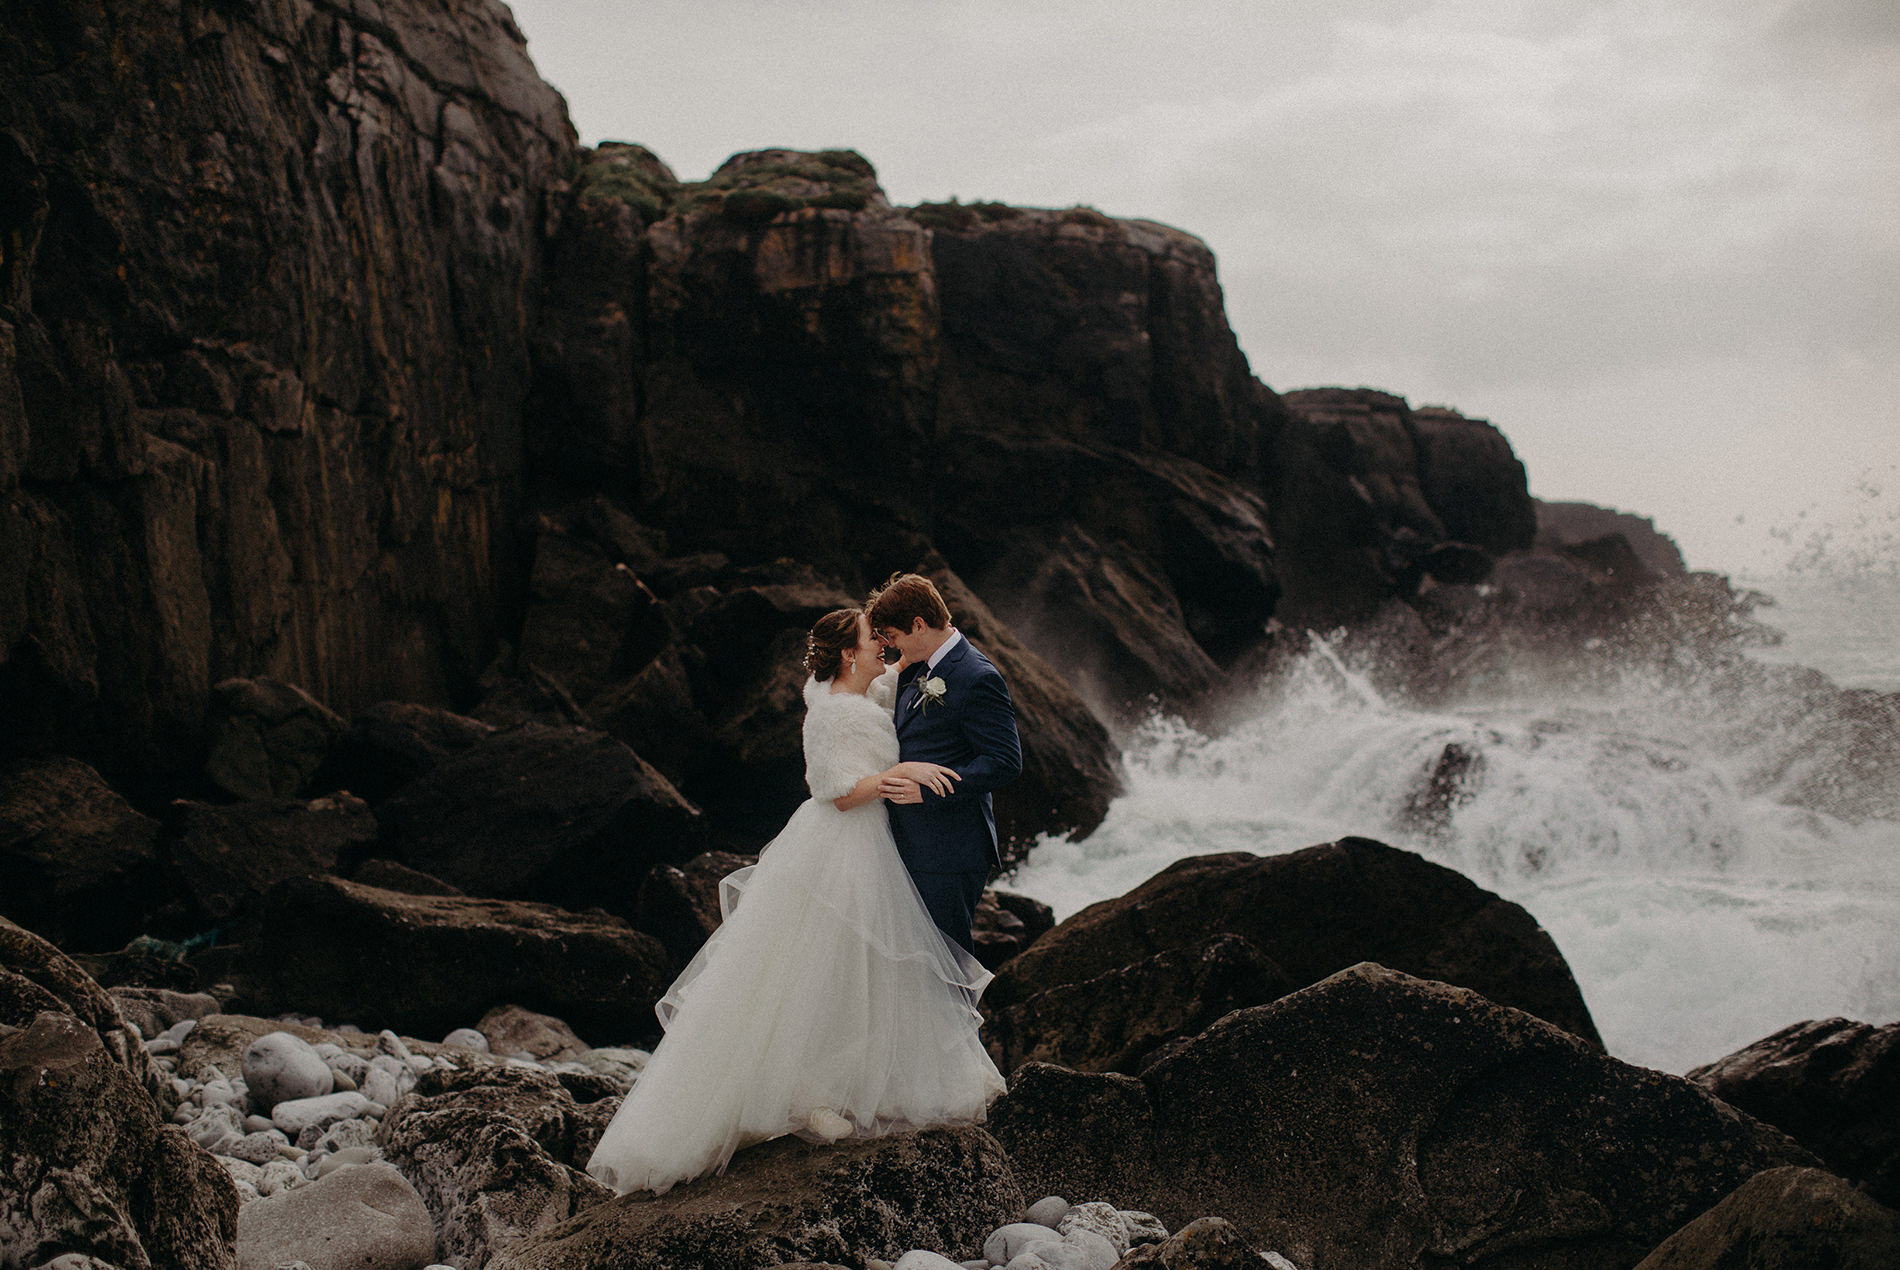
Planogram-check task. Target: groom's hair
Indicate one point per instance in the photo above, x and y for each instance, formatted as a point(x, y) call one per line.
point(905, 597)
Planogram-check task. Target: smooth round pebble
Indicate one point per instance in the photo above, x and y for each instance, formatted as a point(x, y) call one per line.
point(296, 1115)
point(388, 1042)
point(923, 1259)
point(258, 1124)
point(258, 1148)
point(1047, 1211)
point(160, 1045)
point(1006, 1243)
point(467, 1038)
point(279, 1175)
point(348, 1155)
point(279, 1067)
point(1054, 1256)
point(178, 1031)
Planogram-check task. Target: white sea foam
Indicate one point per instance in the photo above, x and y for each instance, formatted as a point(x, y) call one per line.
point(1646, 824)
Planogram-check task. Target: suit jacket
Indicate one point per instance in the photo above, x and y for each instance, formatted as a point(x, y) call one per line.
point(973, 732)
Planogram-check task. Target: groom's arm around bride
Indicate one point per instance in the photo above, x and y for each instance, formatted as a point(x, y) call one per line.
point(952, 708)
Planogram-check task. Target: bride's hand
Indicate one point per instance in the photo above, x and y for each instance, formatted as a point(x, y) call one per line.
point(932, 776)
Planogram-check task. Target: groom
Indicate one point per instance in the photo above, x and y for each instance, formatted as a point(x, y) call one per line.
point(954, 709)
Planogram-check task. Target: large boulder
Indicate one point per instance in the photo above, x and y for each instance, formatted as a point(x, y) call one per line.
point(263, 344)
point(561, 815)
point(1786, 1219)
point(1833, 1085)
point(267, 738)
point(1385, 1122)
point(1311, 913)
point(786, 1201)
point(36, 977)
point(220, 860)
point(497, 1155)
point(391, 743)
point(77, 863)
point(359, 1217)
point(427, 964)
point(1116, 1020)
point(89, 1161)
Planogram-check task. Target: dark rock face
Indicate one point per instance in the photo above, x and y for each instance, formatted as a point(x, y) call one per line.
point(1368, 488)
point(1381, 1121)
point(267, 738)
point(1312, 913)
point(390, 744)
point(560, 815)
point(1833, 1085)
point(1568, 524)
point(1116, 1020)
point(89, 1162)
point(428, 964)
point(786, 1201)
point(679, 904)
point(263, 322)
point(1007, 923)
point(220, 861)
point(497, 1155)
point(77, 863)
point(1786, 1219)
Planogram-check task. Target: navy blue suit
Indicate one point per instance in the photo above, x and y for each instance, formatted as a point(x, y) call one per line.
point(949, 842)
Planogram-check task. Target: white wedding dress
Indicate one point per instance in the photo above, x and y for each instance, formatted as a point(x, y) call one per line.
point(826, 988)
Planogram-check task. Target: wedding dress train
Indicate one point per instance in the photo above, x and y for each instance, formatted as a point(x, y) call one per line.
point(827, 1004)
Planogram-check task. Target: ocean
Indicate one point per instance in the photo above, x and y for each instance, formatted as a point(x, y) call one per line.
point(1663, 829)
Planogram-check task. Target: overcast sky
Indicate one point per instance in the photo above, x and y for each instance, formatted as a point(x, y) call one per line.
point(1657, 243)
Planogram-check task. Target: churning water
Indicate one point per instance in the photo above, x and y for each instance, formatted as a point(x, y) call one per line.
point(1664, 828)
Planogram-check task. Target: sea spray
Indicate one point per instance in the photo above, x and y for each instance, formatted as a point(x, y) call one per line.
point(1674, 826)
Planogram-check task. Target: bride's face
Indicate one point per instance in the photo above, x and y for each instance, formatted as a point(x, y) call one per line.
point(867, 662)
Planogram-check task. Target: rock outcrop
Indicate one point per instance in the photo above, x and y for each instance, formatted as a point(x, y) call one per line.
point(1386, 1122)
point(264, 314)
point(1310, 914)
point(89, 1161)
point(427, 964)
point(1785, 1219)
point(1833, 1085)
point(786, 1201)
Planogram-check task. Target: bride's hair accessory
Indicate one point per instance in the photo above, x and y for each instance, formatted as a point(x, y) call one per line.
point(830, 636)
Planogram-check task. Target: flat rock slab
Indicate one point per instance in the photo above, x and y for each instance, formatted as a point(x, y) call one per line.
point(361, 1217)
point(787, 1201)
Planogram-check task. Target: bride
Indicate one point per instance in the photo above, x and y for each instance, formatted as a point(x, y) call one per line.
point(827, 1004)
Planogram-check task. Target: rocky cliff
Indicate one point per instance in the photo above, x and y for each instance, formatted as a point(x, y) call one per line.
point(327, 358)
point(267, 276)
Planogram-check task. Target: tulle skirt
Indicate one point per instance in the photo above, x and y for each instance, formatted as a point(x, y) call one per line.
point(826, 988)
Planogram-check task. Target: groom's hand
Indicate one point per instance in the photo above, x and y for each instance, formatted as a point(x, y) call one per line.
point(899, 789)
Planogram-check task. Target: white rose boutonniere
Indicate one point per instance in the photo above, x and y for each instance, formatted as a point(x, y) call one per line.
point(930, 693)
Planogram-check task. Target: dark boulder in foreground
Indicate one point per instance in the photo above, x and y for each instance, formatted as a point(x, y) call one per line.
point(1833, 1085)
point(787, 1201)
point(1116, 1020)
point(425, 964)
point(1388, 1123)
point(1314, 912)
point(1786, 1219)
point(89, 1162)
point(496, 1154)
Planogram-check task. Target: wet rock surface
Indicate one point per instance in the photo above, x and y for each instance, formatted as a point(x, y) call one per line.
point(1311, 913)
point(1833, 1085)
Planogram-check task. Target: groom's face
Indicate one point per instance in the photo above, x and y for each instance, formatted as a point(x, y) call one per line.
point(914, 644)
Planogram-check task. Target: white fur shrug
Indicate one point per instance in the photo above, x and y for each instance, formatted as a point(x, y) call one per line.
point(847, 736)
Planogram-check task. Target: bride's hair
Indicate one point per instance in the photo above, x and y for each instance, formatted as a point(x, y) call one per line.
point(824, 647)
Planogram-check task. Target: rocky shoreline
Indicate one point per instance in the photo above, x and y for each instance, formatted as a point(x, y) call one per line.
point(408, 522)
